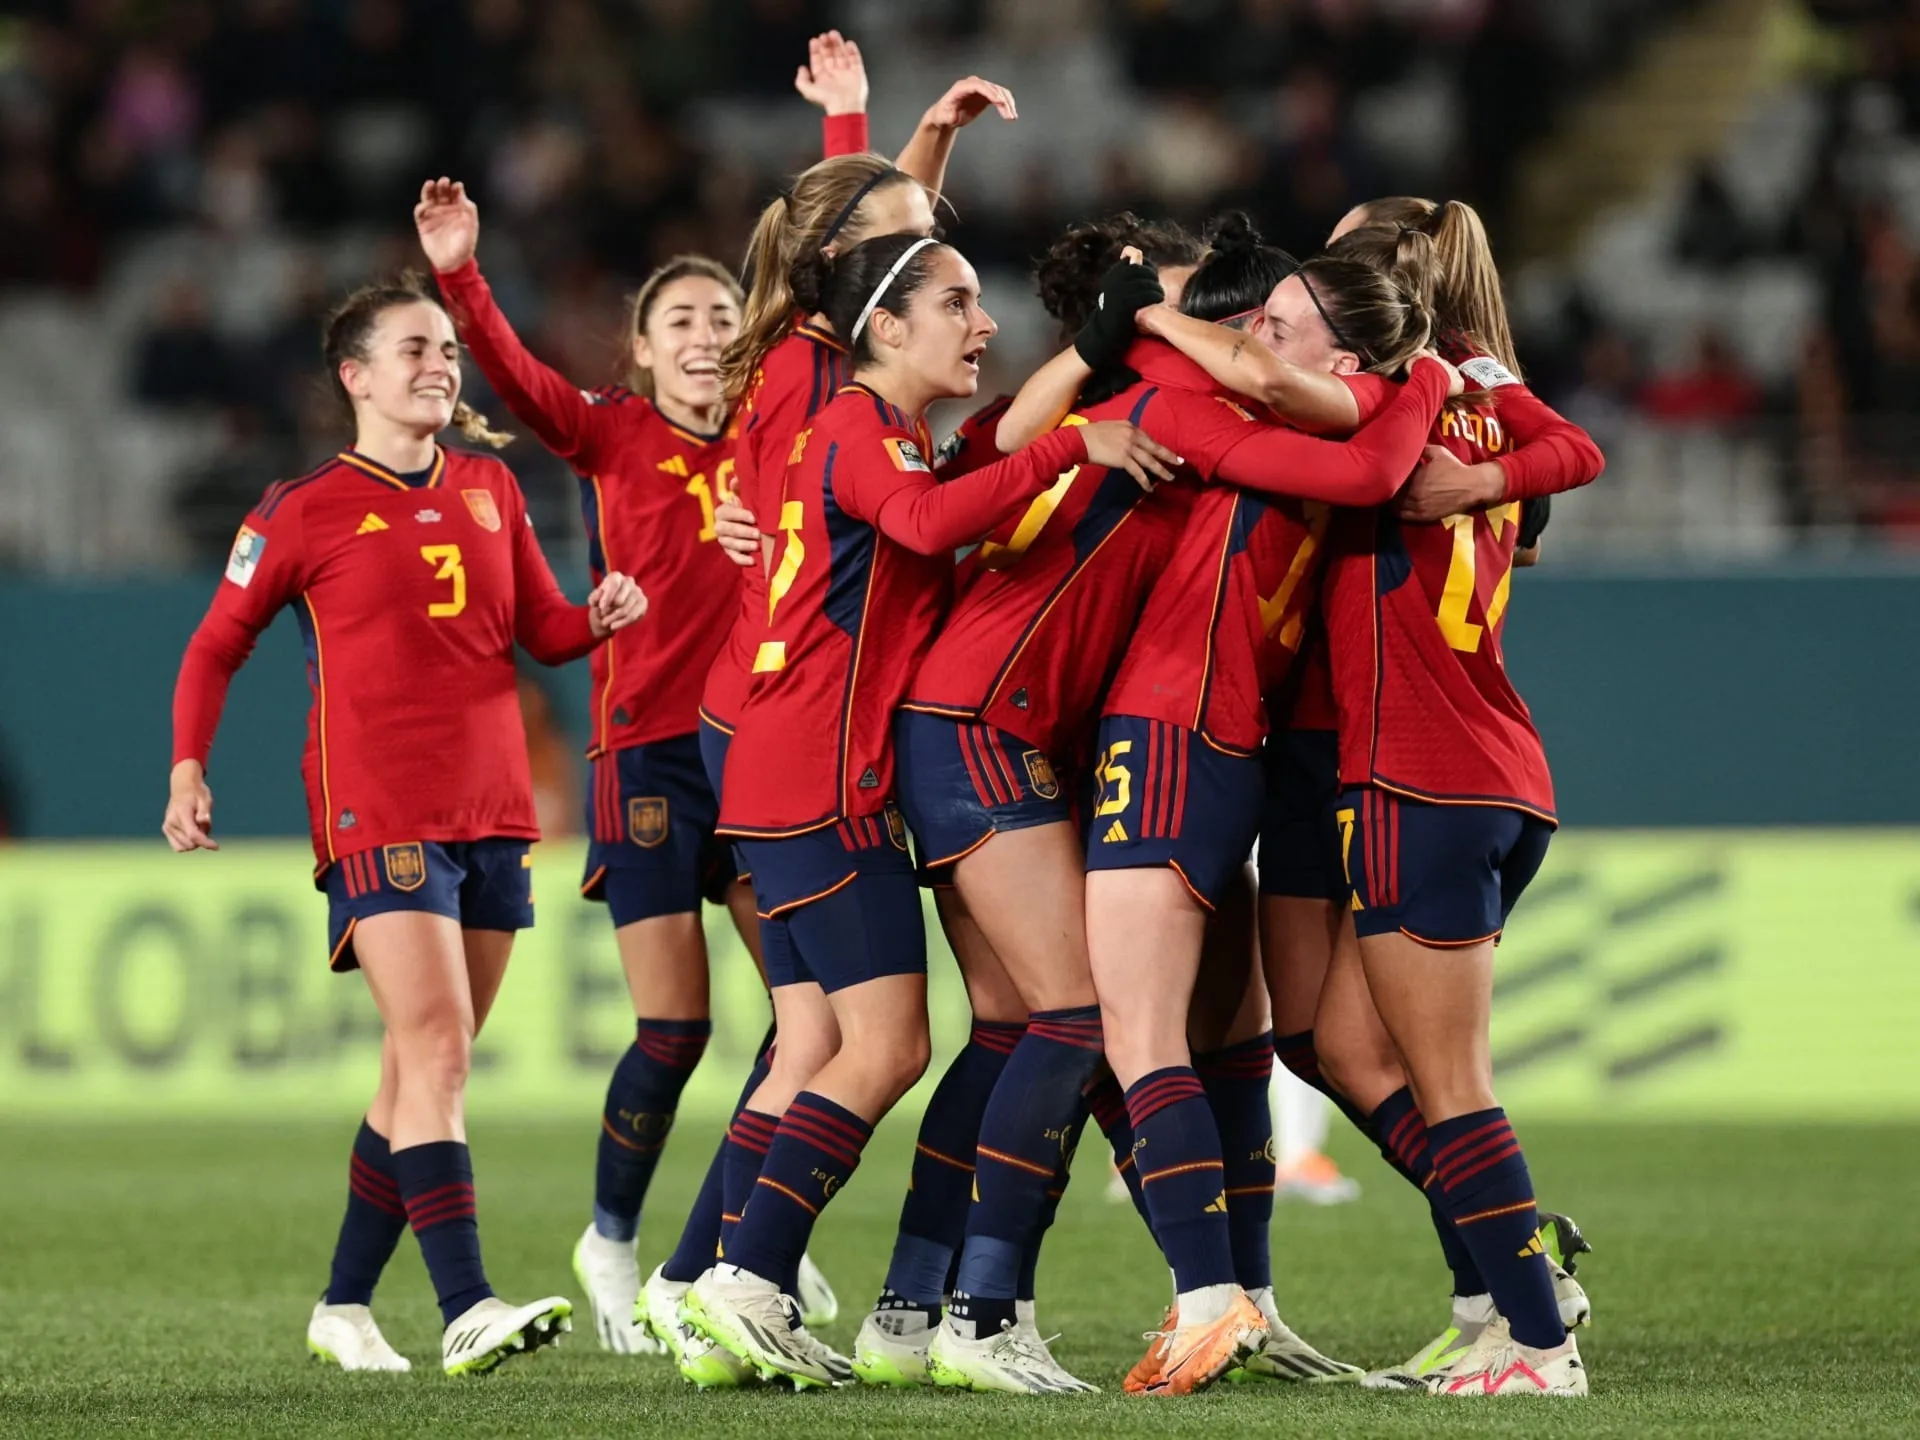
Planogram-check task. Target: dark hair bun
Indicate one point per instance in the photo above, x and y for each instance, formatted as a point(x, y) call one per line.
point(811, 280)
point(1233, 233)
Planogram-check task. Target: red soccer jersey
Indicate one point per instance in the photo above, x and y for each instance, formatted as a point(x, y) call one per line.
point(800, 375)
point(647, 490)
point(861, 582)
point(410, 599)
point(1227, 615)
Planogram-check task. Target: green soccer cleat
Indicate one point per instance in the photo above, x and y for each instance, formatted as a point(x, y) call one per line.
point(494, 1332)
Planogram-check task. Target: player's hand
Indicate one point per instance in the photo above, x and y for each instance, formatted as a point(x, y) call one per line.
point(448, 224)
point(189, 821)
point(967, 100)
point(616, 602)
point(1119, 445)
point(739, 536)
point(834, 77)
point(1443, 486)
point(1126, 289)
point(1456, 382)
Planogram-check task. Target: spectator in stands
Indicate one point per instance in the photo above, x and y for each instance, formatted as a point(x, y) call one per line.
point(1714, 390)
point(180, 362)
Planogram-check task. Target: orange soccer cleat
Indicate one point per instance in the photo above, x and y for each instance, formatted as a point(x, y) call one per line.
point(1192, 1357)
point(1146, 1370)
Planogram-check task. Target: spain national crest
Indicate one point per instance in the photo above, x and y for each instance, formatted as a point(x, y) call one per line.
point(1040, 775)
point(406, 865)
point(647, 820)
point(480, 505)
point(896, 827)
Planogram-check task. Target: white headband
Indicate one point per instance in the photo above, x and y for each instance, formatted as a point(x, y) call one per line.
point(866, 312)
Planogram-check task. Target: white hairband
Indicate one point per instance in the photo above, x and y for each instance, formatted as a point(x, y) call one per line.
point(866, 312)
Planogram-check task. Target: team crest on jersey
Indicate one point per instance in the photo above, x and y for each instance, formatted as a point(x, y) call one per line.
point(480, 505)
point(1040, 775)
point(647, 820)
point(906, 455)
point(406, 865)
point(896, 827)
point(248, 546)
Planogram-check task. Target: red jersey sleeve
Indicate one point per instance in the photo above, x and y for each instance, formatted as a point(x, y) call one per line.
point(543, 399)
point(974, 443)
point(548, 626)
point(1550, 453)
point(889, 485)
point(843, 134)
point(265, 570)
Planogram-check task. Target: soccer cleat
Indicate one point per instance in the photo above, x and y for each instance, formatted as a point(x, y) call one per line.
point(1146, 1370)
point(891, 1349)
point(701, 1363)
point(1506, 1367)
point(1317, 1180)
point(749, 1317)
point(818, 1304)
point(1192, 1357)
point(493, 1332)
point(1285, 1356)
point(1013, 1362)
point(608, 1273)
point(1564, 1246)
point(345, 1335)
point(1472, 1314)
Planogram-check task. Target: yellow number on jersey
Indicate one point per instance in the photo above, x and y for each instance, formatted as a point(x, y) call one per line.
point(1273, 609)
point(703, 492)
point(1110, 772)
point(1457, 594)
point(772, 654)
point(1344, 819)
point(1001, 557)
point(447, 557)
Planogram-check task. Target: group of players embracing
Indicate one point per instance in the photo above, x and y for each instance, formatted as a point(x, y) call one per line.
point(1231, 575)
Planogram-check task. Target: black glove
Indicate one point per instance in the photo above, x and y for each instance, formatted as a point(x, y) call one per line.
point(1534, 515)
point(1127, 288)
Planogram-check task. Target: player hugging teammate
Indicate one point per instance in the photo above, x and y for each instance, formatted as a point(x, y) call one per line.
point(1231, 577)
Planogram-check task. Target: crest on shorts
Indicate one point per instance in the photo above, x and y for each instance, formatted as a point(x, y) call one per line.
point(480, 505)
point(647, 820)
point(406, 865)
point(1040, 775)
point(896, 827)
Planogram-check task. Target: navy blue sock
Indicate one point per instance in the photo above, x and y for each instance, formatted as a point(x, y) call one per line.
point(933, 1220)
point(1236, 1080)
point(699, 1243)
point(1178, 1151)
point(814, 1153)
point(638, 1115)
point(1022, 1142)
point(374, 1222)
point(1056, 1192)
point(1296, 1052)
point(436, 1185)
point(1398, 1129)
point(742, 1154)
point(1480, 1176)
point(1110, 1114)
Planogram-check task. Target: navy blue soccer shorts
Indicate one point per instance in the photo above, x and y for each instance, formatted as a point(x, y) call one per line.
point(1445, 875)
point(840, 905)
point(1167, 796)
point(1299, 838)
point(651, 813)
point(484, 884)
point(715, 740)
point(962, 782)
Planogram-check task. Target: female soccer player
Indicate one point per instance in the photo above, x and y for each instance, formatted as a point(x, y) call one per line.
point(412, 570)
point(862, 580)
point(652, 459)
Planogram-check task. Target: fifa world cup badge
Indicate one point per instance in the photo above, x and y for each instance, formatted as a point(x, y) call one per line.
point(248, 546)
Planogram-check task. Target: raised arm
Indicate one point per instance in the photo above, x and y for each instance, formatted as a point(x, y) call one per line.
point(1050, 392)
point(1309, 398)
point(835, 79)
point(927, 153)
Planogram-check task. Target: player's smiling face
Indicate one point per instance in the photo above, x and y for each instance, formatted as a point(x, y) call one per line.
point(693, 319)
point(1291, 327)
point(944, 332)
point(410, 376)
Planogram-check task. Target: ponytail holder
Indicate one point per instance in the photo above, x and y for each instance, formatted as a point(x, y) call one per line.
point(853, 204)
point(866, 311)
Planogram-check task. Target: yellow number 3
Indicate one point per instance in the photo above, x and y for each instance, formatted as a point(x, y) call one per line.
point(447, 557)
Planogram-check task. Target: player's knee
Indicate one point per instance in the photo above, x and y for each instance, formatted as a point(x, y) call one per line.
point(887, 1071)
point(438, 1055)
point(1356, 1062)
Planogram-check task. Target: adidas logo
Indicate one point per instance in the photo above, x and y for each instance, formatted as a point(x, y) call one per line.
point(673, 465)
point(1116, 834)
point(1019, 698)
point(372, 523)
point(1218, 1205)
point(1532, 1247)
point(869, 781)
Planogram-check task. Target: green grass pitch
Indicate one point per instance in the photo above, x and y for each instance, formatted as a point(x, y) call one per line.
point(155, 1280)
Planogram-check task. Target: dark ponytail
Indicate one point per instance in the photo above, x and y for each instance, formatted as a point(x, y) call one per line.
point(1068, 276)
point(839, 286)
point(1239, 272)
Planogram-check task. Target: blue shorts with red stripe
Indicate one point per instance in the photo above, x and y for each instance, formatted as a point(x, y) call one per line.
point(1299, 840)
point(484, 884)
point(716, 739)
point(961, 782)
point(1169, 797)
point(1445, 875)
point(650, 816)
point(839, 905)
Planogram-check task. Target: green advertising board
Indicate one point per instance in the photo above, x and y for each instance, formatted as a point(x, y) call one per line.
point(1702, 973)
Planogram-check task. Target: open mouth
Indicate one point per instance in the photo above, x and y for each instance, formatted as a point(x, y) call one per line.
point(972, 358)
point(701, 369)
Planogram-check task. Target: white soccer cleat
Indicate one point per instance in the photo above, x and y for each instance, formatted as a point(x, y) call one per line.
point(747, 1315)
point(1285, 1356)
point(493, 1332)
point(701, 1362)
point(1442, 1355)
point(345, 1335)
point(1501, 1365)
point(818, 1304)
point(1565, 1245)
point(1014, 1362)
point(1575, 1308)
point(891, 1349)
point(610, 1276)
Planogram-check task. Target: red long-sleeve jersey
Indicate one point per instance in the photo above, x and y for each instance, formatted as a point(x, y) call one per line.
point(862, 580)
point(410, 599)
point(647, 492)
point(1227, 615)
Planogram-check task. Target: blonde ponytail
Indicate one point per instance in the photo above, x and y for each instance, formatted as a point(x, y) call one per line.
point(473, 425)
point(1467, 297)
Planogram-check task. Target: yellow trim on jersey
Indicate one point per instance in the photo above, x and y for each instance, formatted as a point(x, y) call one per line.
point(320, 699)
point(374, 470)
